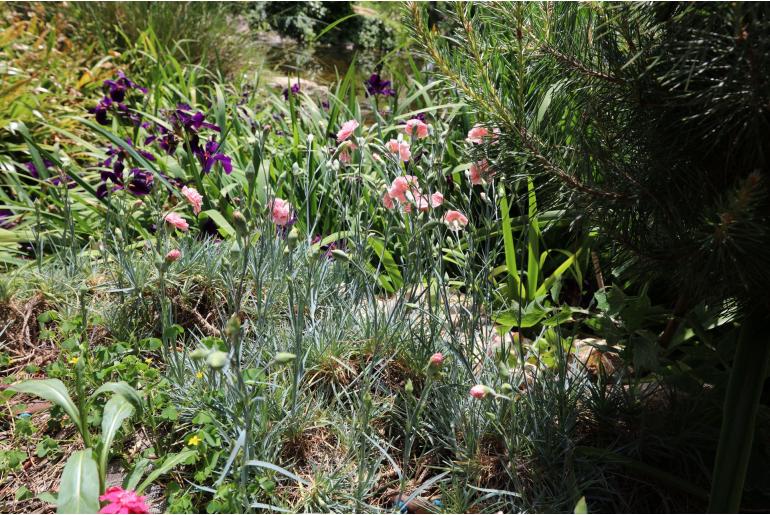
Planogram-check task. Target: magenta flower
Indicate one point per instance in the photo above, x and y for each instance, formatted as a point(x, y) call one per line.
point(177, 221)
point(123, 501)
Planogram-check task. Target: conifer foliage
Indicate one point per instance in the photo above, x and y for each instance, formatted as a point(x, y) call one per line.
point(650, 124)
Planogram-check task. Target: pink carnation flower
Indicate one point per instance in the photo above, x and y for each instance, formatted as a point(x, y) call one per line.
point(345, 148)
point(346, 130)
point(173, 255)
point(455, 220)
point(280, 211)
point(417, 128)
point(403, 184)
point(194, 198)
point(177, 221)
point(387, 201)
point(477, 134)
point(123, 501)
point(480, 391)
point(436, 199)
point(401, 148)
point(436, 360)
point(479, 173)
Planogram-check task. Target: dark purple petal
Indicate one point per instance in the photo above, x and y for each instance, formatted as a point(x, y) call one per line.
point(225, 161)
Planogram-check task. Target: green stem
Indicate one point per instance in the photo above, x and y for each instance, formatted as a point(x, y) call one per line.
point(739, 415)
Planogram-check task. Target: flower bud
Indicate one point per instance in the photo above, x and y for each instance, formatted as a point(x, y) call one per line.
point(341, 255)
point(480, 391)
point(173, 255)
point(240, 223)
point(285, 357)
point(436, 360)
point(507, 388)
point(199, 353)
point(217, 360)
point(233, 326)
point(409, 387)
point(292, 238)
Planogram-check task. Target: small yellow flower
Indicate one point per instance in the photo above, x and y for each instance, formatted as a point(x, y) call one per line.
point(194, 440)
point(198, 375)
point(73, 360)
point(148, 361)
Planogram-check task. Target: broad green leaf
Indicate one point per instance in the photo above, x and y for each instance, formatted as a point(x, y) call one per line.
point(131, 480)
point(221, 222)
point(171, 461)
point(79, 487)
point(117, 409)
point(386, 258)
point(515, 287)
point(581, 508)
point(51, 390)
point(124, 389)
point(276, 468)
point(529, 317)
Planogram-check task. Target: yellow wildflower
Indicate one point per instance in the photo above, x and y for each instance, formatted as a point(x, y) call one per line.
point(73, 360)
point(199, 375)
point(148, 361)
point(194, 440)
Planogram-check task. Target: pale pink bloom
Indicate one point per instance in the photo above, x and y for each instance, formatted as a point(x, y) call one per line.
point(345, 148)
point(417, 128)
point(420, 201)
point(403, 184)
point(401, 148)
point(346, 130)
point(123, 501)
point(436, 199)
point(477, 134)
point(194, 198)
point(436, 360)
point(376, 157)
point(479, 173)
point(387, 201)
point(407, 208)
point(177, 221)
point(173, 255)
point(280, 211)
point(455, 220)
point(480, 391)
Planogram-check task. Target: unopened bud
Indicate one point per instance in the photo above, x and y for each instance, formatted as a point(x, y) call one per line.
point(285, 357)
point(217, 360)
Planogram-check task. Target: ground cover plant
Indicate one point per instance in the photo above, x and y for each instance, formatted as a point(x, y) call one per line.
point(441, 283)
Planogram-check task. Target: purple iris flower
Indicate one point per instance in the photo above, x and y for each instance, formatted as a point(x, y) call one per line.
point(116, 94)
point(293, 91)
point(32, 169)
point(208, 156)
point(375, 85)
point(183, 116)
point(6, 219)
point(141, 182)
point(117, 88)
point(101, 110)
